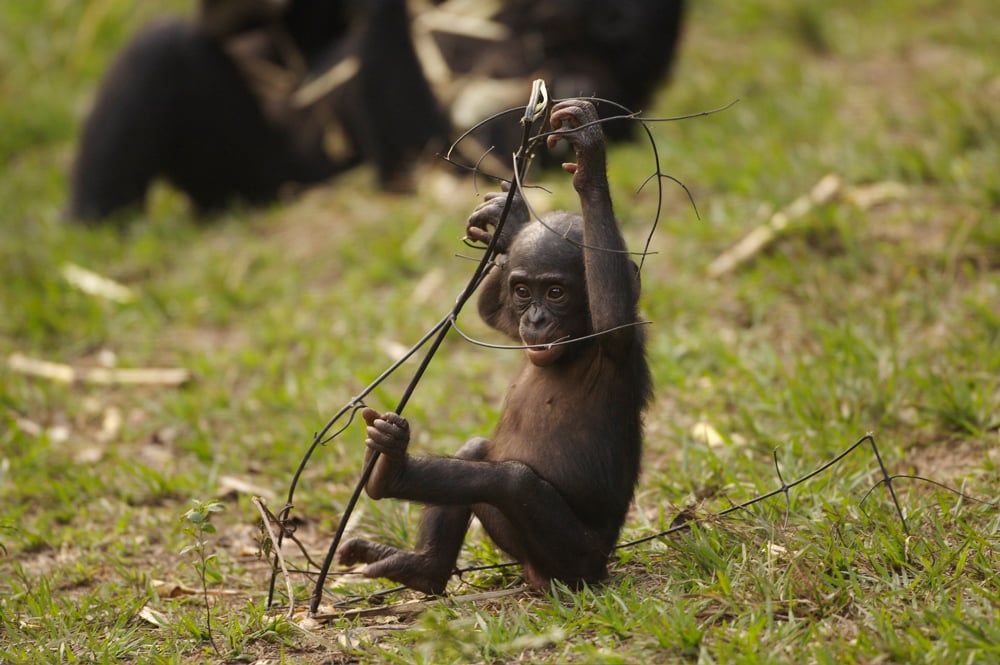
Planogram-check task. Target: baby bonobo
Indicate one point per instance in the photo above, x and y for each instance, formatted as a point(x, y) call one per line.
point(553, 485)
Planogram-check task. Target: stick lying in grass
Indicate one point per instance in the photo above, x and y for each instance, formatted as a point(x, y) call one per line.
point(761, 237)
point(43, 369)
point(829, 188)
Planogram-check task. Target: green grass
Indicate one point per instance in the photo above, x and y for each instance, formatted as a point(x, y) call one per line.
point(882, 318)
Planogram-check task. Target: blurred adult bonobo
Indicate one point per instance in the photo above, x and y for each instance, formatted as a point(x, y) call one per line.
point(553, 485)
point(238, 104)
point(174, 104)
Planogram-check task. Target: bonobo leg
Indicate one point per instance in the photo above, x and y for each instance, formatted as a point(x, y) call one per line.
point(442, 531)
point(569, 552)
point(524, 514)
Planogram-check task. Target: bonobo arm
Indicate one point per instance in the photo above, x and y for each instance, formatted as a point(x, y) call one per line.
point(612, 285)
point(430, 480)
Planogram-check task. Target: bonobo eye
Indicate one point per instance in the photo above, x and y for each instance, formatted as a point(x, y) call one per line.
point(555, 293)
point(522, 291)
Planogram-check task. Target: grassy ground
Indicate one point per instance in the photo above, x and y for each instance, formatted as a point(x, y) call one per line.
point(866, 316)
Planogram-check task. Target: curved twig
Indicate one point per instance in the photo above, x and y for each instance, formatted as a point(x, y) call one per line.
point(548, 345)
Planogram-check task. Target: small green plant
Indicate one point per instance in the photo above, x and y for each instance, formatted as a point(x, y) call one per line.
point(199, 526)
point(3, 548)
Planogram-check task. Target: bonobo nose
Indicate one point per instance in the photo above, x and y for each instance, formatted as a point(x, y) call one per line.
point(536, 313)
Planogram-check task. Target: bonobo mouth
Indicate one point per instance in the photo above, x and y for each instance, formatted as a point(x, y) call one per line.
point(542, 355)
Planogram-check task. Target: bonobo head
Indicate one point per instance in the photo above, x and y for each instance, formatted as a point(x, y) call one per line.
point(546, 286)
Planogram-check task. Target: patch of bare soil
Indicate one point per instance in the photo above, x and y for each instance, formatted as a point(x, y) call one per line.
point(948, 462)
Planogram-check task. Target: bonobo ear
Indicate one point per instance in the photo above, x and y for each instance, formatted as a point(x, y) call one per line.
point(496, 306)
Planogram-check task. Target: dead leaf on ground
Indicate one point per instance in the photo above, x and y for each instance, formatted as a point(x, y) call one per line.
point(88, 454)
point(231, 486)
point(412, 607)
point(94, 284)
point(703, 432)
point(175, 590)
point(157, 618)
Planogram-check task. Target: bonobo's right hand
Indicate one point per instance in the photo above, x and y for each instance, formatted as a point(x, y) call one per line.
point(389, 434)
point(487, 214)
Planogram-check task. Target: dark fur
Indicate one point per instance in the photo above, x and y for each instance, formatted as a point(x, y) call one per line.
point(553, 485)
point(389, 109)
point(175, 105)
point(620, 50)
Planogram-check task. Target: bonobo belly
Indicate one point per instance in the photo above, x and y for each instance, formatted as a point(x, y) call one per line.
point(584, 441)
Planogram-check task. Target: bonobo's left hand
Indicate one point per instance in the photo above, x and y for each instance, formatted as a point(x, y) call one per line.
point(574, 117)
point(389, 434)
point(487, 214)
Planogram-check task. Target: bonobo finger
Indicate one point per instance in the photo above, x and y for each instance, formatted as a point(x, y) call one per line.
point(567, 113)
point(388, 438)
point(387, 434)
point(554, 139)
point(490, 209)
point(397, 420)
point(489, 196)
point(556, 119)
point(476, 234)
point(579, 110)
point(370, 415)
point(390, 448)
point(352, 552)
point(480, 218)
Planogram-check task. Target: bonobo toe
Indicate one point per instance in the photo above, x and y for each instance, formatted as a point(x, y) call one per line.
point(359, 550)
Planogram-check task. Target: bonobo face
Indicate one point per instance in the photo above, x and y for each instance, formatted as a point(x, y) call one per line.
point(548, 292)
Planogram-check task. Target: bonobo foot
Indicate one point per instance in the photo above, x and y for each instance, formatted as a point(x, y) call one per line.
point(389, 434)
point(413, 569)
point(575, 120)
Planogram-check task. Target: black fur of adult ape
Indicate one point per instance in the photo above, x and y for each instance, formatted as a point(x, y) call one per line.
point(388, 111)
point(616, 49)
point(553, 485)
point(619, 50)
point(176, 105)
